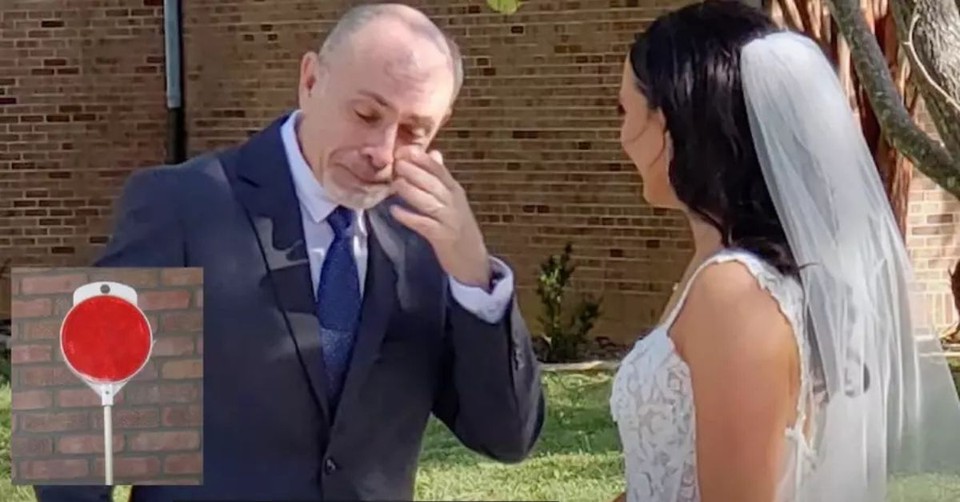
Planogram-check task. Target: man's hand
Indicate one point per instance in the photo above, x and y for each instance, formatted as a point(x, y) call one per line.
point(443, 215)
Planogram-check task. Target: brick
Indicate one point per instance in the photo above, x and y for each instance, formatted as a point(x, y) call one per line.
point(54, 469)
point(40, 330)
point(43, 284)
point(182, 277)
point(123, 418)
point(162, 393)
point(148, 373)
point(54, 421)
point(164, 441)
point(182, 416)
point(82, 397)
point(46, 376)
point(22, 354)
point(29, 446)
point(182, 322)
point(183, 463)
point(79, 444)
point(135, 278)
point(62, 305)
point(37, 307)
point(31, 400)
point(169, 345)
point(164, 300)
point(129, 467)
point(175, 370)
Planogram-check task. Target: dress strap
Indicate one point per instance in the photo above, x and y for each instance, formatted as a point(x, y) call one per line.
point(712, 259)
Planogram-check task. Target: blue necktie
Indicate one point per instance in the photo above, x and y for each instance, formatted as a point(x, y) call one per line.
point(338, 302)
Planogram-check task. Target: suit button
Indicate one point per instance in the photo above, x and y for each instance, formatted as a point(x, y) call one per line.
point(329, 466)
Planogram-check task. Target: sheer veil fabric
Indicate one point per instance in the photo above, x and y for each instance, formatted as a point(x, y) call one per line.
point(886, 406)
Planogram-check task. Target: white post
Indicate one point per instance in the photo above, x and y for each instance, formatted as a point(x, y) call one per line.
point(107, 400)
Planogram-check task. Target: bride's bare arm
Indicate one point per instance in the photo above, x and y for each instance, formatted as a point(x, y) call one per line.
point(744, 368)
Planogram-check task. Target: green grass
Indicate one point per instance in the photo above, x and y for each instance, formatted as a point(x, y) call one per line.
point(577, 459)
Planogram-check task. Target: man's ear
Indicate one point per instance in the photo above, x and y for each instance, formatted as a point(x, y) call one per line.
point(313, 75)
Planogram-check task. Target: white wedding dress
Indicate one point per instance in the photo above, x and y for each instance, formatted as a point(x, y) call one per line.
point(652, 402)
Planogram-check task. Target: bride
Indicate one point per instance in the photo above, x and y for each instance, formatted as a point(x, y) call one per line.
point(789, 364)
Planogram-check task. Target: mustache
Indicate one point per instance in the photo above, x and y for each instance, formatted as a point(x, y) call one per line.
point(366, 172)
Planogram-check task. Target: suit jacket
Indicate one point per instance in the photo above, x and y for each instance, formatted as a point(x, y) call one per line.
point(267, 431)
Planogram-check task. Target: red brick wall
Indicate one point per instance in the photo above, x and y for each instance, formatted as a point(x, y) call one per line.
point(81, 104)
point(58, 421)
point(533, 139)
point(933, 241)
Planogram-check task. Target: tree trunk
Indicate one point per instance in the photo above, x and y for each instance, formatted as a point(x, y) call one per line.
point(813, 18)
point(931, 30)
point(929, 156)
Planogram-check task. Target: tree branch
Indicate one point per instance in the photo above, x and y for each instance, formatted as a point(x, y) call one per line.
point(904, 134)
point(931, 30)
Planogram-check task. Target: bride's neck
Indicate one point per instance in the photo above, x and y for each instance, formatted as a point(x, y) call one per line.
point(706, 238)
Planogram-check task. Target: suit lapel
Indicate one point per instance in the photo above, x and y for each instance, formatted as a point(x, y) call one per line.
point(265, 188)
point(387, 255)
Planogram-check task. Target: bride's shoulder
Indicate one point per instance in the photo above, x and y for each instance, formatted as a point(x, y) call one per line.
point(736, 300)
point(744, 271)
point(731, 279)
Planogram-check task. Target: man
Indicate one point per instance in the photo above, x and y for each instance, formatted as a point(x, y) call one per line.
point(348, 291)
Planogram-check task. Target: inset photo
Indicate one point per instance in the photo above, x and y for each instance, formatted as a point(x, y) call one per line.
point(107, 376)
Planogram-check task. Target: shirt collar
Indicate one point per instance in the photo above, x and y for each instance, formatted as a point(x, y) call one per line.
point(313, 199)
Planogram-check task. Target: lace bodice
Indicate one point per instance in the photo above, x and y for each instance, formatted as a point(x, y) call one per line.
point(652, 401)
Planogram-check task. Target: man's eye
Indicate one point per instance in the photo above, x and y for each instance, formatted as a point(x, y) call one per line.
point(620, 110)
point(366, 117)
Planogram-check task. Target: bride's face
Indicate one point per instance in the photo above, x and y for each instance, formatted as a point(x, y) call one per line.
point(645, 139)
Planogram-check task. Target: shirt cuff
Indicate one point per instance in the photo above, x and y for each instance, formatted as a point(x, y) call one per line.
point(489, 306)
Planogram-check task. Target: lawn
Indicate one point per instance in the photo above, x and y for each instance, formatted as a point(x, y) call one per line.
point(577, 459)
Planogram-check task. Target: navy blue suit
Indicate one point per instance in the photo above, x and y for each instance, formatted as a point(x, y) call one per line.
point(268, 432)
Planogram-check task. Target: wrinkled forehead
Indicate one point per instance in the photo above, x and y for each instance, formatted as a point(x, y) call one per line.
point(409, 67)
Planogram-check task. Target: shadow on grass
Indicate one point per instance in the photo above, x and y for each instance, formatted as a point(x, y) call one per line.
point(578, 423)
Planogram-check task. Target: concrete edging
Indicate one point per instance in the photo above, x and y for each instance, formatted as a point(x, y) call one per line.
point(612, 365)
point(580, 366)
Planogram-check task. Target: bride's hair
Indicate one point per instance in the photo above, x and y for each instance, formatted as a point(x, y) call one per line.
point(687, 64)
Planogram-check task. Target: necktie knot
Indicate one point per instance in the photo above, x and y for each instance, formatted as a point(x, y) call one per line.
point(340, 220)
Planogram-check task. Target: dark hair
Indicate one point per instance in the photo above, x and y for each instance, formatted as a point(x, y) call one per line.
point(687, 64)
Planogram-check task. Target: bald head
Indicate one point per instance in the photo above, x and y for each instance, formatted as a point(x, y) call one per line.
point(388, 25)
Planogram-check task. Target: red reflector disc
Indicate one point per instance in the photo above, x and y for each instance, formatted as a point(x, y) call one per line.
point(105, 338)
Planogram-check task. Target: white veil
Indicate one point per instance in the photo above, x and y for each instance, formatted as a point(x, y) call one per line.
point(890, 408)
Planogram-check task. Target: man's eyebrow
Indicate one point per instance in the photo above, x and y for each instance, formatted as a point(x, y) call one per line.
point(424, 122)
point(376, 97)
point(418, 120)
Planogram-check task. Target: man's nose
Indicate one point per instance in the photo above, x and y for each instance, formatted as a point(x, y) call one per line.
point(380, 150)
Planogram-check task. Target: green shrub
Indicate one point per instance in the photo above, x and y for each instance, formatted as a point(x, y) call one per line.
point(563, 335)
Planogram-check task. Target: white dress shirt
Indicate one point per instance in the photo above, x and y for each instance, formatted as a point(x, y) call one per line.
point(315, 207)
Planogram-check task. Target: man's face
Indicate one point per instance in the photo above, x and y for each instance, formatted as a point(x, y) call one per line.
point(385, 88)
